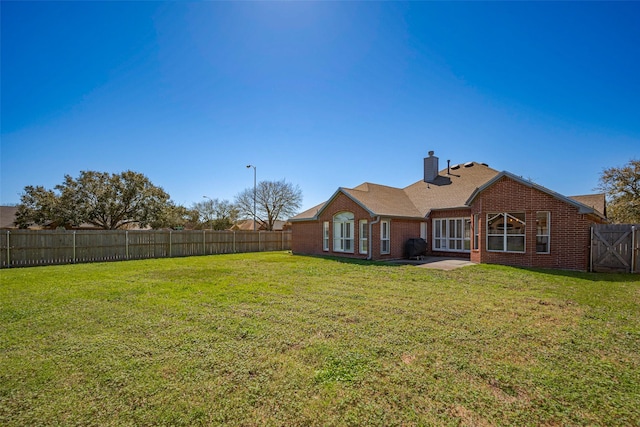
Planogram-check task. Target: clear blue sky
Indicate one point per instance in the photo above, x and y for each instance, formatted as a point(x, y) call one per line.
point(322, 94)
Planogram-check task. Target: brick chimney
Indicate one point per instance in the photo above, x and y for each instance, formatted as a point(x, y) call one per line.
point(430, 167)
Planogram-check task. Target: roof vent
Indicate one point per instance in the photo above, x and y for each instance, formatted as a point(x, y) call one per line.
point(468, 164)
point(454, 167)
point(484, 164)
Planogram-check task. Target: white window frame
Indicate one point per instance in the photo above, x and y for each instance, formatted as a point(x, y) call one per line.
point(385, 236)
point(476, 232)
point(423, 231)
point(466, 235)
point(343, 223)
point(541, 234)
point(505, 235)
point(451, 234)
point(325, 236)
point(364, 234)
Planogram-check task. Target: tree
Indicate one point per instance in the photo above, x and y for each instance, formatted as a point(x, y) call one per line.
point(216, 214)
point(177, 217)
point(275, 200)
point(108, 201)
point(622, 188)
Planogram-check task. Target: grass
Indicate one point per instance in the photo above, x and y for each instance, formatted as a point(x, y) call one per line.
point(276, 339)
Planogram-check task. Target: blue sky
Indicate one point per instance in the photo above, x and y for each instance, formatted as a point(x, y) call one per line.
point(322, 94)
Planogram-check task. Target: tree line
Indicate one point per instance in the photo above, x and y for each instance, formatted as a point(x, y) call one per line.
point(114, 201)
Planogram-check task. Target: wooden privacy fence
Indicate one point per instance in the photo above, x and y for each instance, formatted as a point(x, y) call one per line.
point(615, 248)
point(24, 248)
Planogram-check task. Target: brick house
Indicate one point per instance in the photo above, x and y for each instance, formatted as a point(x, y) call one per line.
point(467, 210)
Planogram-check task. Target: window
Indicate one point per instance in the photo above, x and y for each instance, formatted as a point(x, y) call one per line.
point(343, 232)
point(452, 234)
point(505, 232)
point(385, 241)
point(476, 232)
point(325, 236)
point(423, 231)
point(542, 232)
point(466, 241)
point(439, 234)
point(364, 236)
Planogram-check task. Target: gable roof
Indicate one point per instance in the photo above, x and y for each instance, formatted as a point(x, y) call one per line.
point(454, 187)
point(450, 189)
point(8, 216)
point(383, 200)
point(582, 208)
point(247, 225)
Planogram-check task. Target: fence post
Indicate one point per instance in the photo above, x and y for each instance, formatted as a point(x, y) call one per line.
point(74, 247)
point(591, 252)
point(126, 244)
point(633, 248)
point(259, 235)
point(8, 249)
point(204, 242)
point(170, 252)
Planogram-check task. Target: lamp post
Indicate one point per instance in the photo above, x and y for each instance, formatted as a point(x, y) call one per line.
point(254, 195)
point(207, 197)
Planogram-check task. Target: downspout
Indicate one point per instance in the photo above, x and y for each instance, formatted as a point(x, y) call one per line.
point(633, 248)
point(370, 255)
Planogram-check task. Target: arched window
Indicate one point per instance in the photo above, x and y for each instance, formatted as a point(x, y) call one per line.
point(343, 232)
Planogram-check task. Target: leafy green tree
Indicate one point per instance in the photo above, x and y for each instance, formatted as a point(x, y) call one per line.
point(108, 201)
point(176, 217)
point(622, 188)
point(274, 200)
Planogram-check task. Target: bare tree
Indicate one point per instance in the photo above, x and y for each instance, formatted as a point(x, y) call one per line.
point(216, 214)
point(275, 200)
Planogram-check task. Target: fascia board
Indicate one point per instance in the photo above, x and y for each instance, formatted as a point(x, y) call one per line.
point(582, 208)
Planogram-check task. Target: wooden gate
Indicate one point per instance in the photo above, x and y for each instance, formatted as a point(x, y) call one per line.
point(615, 248)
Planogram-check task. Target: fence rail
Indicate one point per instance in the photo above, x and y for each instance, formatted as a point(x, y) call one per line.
point(25, 248)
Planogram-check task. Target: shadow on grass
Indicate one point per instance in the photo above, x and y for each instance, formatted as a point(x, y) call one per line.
point(595, 277)
point(583, 275)
point(353, 261)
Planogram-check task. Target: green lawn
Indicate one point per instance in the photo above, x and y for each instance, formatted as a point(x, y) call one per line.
point(276, 339)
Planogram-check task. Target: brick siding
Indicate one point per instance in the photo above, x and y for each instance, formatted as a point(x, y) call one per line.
point(569, 230)
point(307, 236)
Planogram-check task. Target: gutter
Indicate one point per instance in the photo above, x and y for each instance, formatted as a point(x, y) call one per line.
point(370, 255)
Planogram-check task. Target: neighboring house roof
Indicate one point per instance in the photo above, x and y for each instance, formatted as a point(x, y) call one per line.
point(595, 201)
point(247, 225)
point(454, 187)
point(8, 216)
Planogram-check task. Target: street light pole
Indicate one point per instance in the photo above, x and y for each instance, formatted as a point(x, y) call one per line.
point(254, 195)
